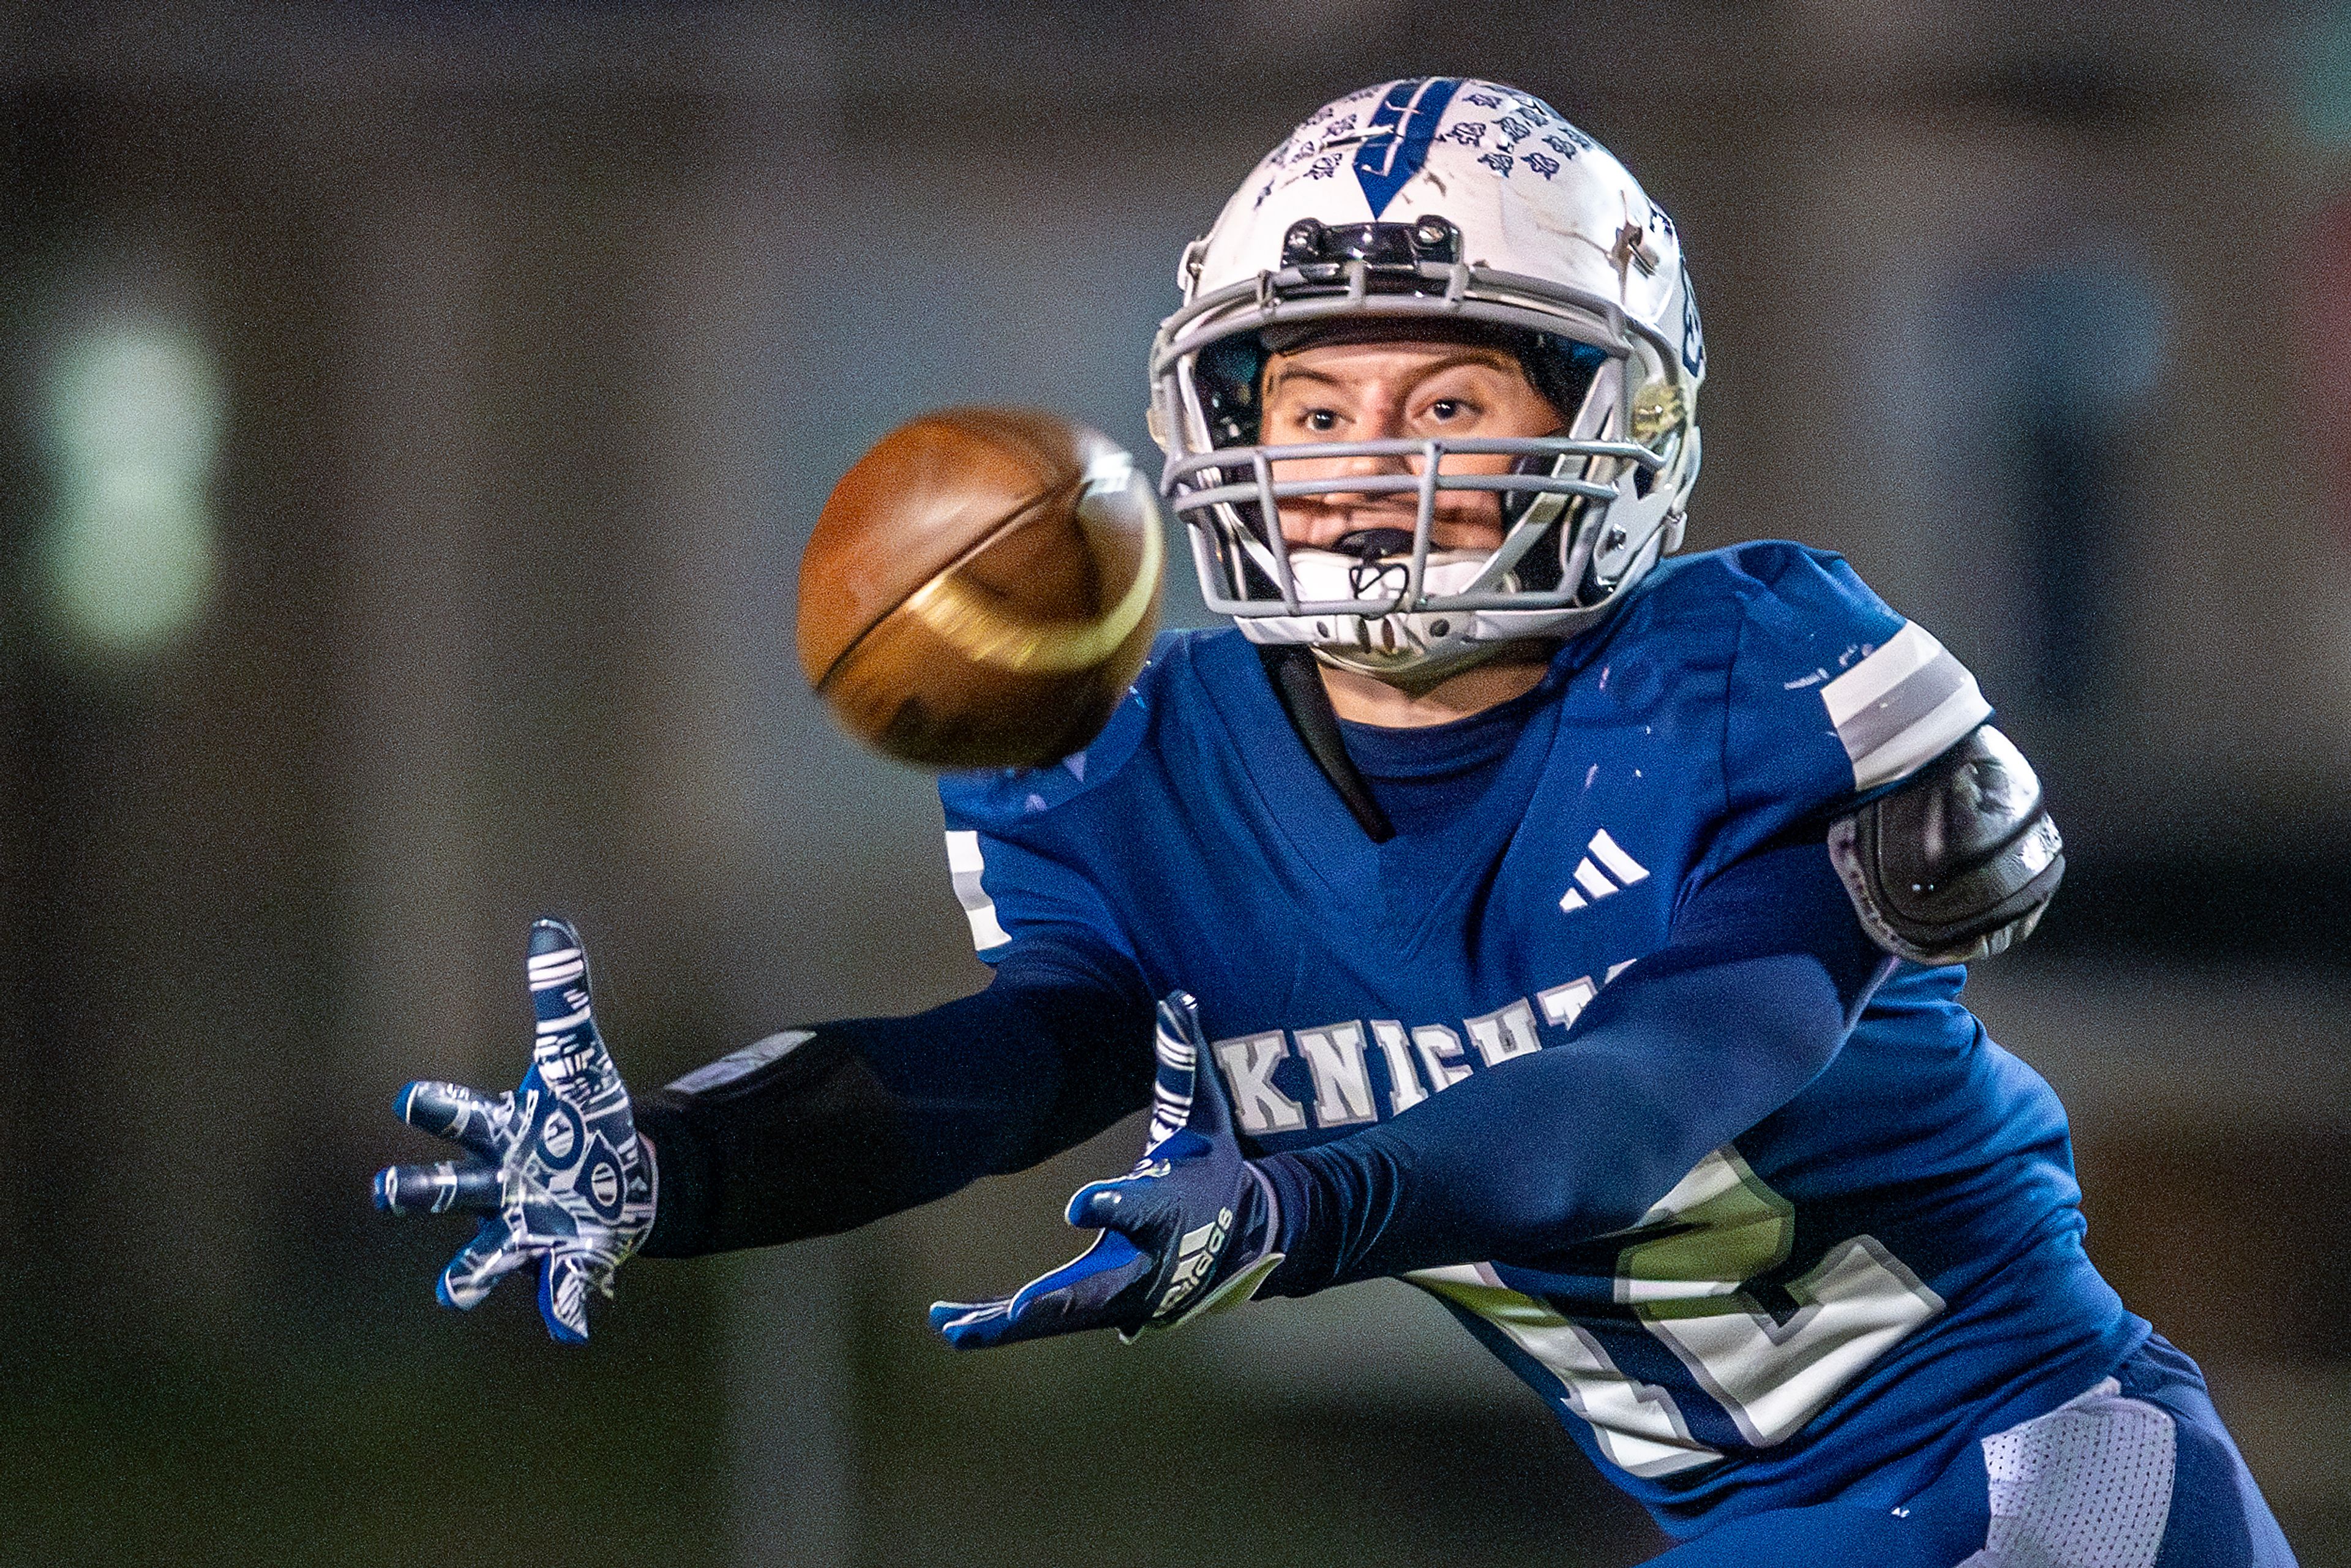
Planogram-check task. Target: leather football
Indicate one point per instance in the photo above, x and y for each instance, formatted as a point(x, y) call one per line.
point(981, 589)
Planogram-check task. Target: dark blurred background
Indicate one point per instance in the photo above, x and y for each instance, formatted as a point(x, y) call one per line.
point(410, 418)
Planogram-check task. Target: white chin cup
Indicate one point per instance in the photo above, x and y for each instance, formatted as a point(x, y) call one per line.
point(1425, 647)
point(1325, 575)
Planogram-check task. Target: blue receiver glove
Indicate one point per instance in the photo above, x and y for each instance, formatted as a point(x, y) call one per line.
point(559, 1174)
point(1188, 1231)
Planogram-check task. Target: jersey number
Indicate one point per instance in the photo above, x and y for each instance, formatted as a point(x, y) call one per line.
point(1694, 1290)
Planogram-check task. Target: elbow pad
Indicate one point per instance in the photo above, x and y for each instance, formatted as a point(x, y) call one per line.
point(1958, 861)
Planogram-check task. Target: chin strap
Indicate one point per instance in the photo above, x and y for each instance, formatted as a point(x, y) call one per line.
point(1297, 682)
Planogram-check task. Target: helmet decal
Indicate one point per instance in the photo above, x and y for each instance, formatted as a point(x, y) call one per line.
point(1693, 335)
point(1396, 137)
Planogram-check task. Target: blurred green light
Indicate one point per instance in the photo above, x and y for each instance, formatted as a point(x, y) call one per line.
point(134, 419)
point(2326, 79)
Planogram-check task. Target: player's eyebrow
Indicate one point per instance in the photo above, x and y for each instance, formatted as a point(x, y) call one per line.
point(1284, 374)
point(1280, 375)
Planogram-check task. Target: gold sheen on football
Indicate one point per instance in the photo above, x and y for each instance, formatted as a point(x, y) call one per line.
point(981, 589)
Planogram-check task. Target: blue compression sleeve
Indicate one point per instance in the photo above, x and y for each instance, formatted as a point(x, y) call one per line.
point(1766, 973)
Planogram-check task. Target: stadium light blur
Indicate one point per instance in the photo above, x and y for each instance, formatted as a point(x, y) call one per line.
point(2326, 79)
point(133, 414)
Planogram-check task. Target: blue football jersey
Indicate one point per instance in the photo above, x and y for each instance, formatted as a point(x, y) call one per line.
point(1833, 1304)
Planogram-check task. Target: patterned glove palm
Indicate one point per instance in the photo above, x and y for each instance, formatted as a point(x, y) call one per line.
point(1188, 1231)
point(557, 1172)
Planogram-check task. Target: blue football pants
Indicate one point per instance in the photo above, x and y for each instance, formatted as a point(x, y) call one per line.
point(2137, 1473)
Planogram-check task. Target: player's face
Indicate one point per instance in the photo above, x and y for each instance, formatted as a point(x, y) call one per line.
point(1392, 391)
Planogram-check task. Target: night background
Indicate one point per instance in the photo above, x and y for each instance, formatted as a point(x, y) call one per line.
point(410, 419)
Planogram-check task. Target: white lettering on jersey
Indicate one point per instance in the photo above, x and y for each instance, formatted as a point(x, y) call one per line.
point(1336, 1054)
point(1342, 1088)
point(1604, 869)
point(1249, 1062)
point(1404, 1083)
point(1440, 1051)
point(1504, 1033)
point(1562, 1005)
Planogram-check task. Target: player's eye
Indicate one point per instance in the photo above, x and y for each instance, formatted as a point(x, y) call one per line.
point(1321, 420)
point(1446, 410)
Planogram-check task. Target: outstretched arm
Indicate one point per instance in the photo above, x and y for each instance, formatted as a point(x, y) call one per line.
point(1765, 974)
point(815, 1131)
point(864, 1117)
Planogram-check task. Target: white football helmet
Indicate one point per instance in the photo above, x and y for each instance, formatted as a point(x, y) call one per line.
point(1443, 206)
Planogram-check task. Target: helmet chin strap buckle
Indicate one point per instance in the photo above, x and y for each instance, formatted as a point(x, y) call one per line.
point(1631, 523)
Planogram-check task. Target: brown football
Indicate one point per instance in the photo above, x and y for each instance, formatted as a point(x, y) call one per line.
point(981, 589)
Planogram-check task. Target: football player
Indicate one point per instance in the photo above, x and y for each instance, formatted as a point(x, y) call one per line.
point(1574, 932)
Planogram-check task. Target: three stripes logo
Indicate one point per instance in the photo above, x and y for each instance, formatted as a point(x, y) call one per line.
point(1604, 869)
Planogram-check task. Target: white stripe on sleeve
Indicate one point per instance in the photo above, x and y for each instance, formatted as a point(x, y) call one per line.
point(963, 866)
point(1907, 702)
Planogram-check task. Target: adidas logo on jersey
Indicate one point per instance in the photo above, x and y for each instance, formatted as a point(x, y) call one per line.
point(1604, 869)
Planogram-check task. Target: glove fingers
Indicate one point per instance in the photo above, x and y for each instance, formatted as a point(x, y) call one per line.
point(1088, 1280)
point(955, 1318)
point(466, 1117)
point(475, 1271)
point(1206, 1111)
point(1123, 1204)
point(566, 1052)
point(563, 1288)
point(1084, 1293)
point(438, 1189)
point(990, 1324)
point(1175, 1044)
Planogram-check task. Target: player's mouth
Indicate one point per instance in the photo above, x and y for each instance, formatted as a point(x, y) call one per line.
point(1371, 544)
point(1376, 564)
point(1371, 533)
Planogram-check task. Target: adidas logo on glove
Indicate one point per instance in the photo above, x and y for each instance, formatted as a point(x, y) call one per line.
point(1196, 1258)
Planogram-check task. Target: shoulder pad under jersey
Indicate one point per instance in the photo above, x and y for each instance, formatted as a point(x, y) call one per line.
point(1957, 862)
point(999, 799)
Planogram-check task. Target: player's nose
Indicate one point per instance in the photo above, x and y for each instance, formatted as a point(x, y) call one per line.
point(1379, 421)
point(1378, 426)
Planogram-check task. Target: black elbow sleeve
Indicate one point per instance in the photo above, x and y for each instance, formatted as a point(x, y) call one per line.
point(816, 1145)
point(846, 1121)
